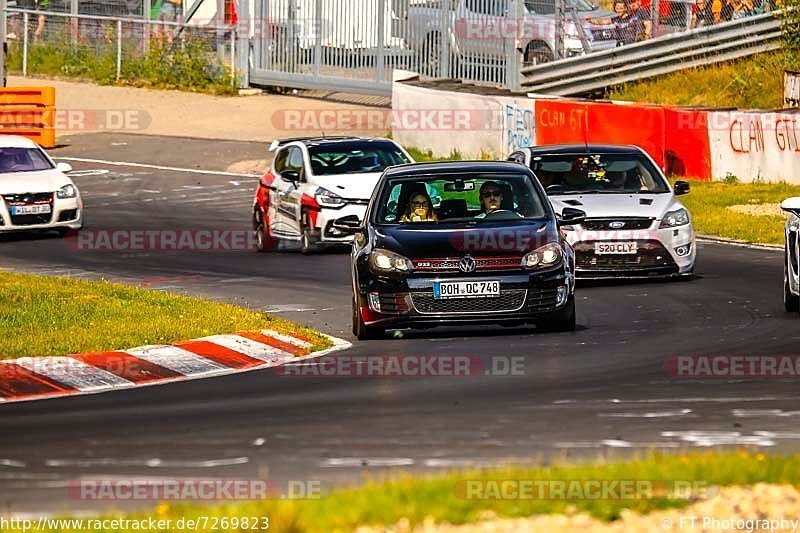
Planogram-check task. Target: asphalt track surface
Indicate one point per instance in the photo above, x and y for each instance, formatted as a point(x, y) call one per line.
point(601, 390)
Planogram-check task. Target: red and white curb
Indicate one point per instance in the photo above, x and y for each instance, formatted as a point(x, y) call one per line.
point(33, 378)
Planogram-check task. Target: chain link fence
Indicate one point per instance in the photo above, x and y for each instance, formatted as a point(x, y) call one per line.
point(117, 48)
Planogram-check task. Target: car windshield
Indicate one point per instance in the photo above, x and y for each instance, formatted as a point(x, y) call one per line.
point(355, 158)
point(23, 160)
point(597, 174)
point(477, 198)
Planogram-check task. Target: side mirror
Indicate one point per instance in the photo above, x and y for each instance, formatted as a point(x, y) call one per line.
point(349, 225)
point(291, 175)
point(571, 216)
point(63, 167)
point(681, 187)
point(791, 205)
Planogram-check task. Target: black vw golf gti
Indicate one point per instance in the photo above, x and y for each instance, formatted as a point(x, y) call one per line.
point(461, 243)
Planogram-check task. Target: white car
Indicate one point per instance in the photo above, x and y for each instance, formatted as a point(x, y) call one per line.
point(635, 226)
point(791, 265)
point(36, 192)
point(315, 184)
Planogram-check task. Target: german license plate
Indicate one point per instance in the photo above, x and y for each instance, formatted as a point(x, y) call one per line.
point(30, 209)
point(465, 289)
point(618, 248)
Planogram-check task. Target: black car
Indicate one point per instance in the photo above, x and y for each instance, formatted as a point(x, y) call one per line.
point(461, 243)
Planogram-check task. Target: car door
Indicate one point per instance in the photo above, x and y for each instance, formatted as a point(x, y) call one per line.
point(283, 217)
point(290, 200)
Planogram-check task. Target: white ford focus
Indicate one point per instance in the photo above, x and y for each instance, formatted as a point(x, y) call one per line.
point(635, 226)
point(36, 192)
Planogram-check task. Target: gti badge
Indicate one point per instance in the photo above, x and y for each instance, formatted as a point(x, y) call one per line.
point(467, 264)
point(616, 225)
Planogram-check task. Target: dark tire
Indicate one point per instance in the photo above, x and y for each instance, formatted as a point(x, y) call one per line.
point(790, 302)
point(363, 332)
point(537, 54)
point(561, 320)
point(308, 242)
point(265, 242)
point(62, 232)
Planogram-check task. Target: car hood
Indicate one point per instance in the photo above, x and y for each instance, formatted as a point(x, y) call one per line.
point(351, 186)
point(483, 239)
point(35, 181)
point(616, 205)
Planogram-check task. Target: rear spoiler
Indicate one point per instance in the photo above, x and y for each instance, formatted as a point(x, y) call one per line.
point(277, 143)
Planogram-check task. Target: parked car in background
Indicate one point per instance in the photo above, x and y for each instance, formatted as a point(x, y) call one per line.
point(476, 28)
point(635, 226)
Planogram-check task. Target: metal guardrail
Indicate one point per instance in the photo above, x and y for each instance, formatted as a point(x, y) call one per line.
point(704, 46)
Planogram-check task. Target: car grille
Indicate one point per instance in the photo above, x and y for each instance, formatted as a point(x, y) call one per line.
point(650, 255)
point(27, 199)
point(596, 224)
point(509, 300)
point(542, 300)
point(450, 264)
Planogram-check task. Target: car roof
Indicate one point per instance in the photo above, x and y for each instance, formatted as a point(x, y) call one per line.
point(324, 141)
point(584, 149)
point(449, 167)
point(16, 141)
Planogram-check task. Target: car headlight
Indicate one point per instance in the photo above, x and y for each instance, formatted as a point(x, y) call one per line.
point(67, 191)
point(326, 198)
point(673, 219)
point(546, 256)
point(384, 261)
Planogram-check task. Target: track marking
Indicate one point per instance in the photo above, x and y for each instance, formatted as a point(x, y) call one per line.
point(150, 463)
point(286, 338)
point(160, 167)
point(73, 373)
point(250, 347)
point(176, 359)
point(356, 462)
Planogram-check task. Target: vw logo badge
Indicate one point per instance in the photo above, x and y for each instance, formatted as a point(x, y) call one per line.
point(616, 225)
point(467, 264)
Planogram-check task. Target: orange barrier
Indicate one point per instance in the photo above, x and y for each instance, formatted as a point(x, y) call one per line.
point(30, 112)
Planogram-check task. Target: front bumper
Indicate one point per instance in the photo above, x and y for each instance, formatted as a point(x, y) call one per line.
point(65, 214)
point(660, 253)
point(524, 297)
point(326, 217)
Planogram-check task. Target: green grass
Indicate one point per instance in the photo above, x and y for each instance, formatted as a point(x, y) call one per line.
point(386, 503)
point(46, 316)
point(190, 67)
point(708, 202)
point(752, 83)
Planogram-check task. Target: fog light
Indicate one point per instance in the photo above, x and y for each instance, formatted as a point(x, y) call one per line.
point(684, 250)
point(375, 302)
point(562, 295)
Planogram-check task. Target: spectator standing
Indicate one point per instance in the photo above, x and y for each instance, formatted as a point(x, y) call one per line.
point(703, 14)
point(39, 5)
point(627, 27)
point(645, 23)
point(171, 11)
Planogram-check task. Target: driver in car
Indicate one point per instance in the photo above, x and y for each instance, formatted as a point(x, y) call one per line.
point(491, 196)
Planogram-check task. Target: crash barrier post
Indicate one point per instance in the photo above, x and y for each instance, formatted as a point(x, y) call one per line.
point(29, 112)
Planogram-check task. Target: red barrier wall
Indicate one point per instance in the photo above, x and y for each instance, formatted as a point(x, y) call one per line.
point(686, 142)
point(676, 139)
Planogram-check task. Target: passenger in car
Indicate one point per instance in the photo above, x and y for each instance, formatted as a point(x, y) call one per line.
point(419, 209)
